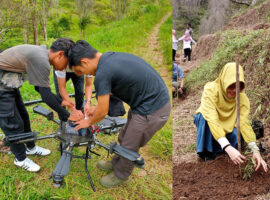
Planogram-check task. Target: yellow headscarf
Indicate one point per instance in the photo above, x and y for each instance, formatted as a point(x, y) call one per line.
point(218, 109)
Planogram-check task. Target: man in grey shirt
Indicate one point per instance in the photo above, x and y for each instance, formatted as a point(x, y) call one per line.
point(34, 62)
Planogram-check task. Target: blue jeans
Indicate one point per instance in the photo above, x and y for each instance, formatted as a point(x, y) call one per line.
point(207, 146)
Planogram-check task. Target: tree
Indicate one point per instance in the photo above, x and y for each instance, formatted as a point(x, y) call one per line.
point(26, 13)
point(84, 8)
point(45, 13)
point(33, 4)
point(8, 18)
point(119, 7)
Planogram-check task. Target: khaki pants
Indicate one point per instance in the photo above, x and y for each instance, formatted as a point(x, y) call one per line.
point(136, 133)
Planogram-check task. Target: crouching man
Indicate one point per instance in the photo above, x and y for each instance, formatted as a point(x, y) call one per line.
point(133, 81)
point(34, 62)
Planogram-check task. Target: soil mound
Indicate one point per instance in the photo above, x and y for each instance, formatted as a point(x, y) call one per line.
point(205, 47)
point(218, 179)
point(250, 18)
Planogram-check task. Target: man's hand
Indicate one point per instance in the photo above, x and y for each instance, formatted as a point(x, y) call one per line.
point(85, 123)
point(69, 104)
point(180, 90)
point(89, 110)
point(76, 115)
point(235, 155)
point(259, 161)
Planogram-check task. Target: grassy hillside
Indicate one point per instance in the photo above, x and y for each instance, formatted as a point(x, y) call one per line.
point(250, 39)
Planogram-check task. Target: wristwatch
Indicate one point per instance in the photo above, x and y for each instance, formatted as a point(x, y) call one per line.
point(88, 99)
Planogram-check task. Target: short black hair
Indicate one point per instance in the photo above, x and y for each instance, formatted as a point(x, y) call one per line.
point(81, 49)
point(189, 24)
point(62, 44)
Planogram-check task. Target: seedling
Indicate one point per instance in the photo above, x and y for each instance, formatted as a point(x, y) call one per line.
point(249, 168)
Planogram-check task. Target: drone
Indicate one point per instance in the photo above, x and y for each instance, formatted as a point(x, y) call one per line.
point(70, 138)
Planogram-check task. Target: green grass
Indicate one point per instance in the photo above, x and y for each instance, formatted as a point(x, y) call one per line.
point(126, 35)
point(166, 42)
point(231, 42)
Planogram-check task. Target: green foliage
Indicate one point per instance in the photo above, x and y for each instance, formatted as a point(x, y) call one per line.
point(249, 168)
point(166, 41)
point(83, 22)
point(232, 42)
point(103, 13)
point(54, 30)
point(161, 143)
point(64, 23)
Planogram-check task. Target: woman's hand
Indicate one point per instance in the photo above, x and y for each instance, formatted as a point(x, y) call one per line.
point(235, 155)
point(259, 161)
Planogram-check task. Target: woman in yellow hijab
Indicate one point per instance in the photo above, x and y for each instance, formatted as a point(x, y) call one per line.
point(216, 119)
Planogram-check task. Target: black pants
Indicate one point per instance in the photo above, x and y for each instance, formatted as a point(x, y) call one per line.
point(173, 54)
point(14, 119)
point(187, 53)
point(78, 83)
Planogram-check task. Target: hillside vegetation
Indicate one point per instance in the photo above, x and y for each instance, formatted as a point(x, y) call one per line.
point(247, 34)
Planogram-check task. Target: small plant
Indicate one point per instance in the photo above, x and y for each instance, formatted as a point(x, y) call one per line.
point(249, 168)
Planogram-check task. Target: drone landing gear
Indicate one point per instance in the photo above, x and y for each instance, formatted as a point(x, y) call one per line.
point(62, 167)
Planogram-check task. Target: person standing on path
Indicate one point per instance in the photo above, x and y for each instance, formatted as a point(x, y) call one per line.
point(187, 40)
point(174, 45)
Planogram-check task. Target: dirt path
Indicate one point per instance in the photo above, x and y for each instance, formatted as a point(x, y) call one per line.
point(184, 131)
point(153, 52)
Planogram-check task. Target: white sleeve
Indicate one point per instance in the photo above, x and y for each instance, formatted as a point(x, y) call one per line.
point(253, 147)
point(223, 141)
point(60, 74)
point(193, 41)
point(181, 38)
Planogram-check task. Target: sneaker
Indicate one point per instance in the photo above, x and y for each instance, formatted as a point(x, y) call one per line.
point(27, 164)
point(105, 165)
point(38, 151)
point(111, 181)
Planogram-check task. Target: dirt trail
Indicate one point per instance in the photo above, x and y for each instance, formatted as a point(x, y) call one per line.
point(184, 131)
point(153, 51)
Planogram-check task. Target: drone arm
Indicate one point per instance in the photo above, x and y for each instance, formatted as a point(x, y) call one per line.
point(24, 137)
point(123, 152)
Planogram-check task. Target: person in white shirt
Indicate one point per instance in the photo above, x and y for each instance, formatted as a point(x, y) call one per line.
point(60, 79)
point(174, 44)
point(187, 40)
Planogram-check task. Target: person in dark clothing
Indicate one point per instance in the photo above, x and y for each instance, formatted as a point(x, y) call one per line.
point(60, 79)
point(116, 107)
point(33, 61)
point(133, 81)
